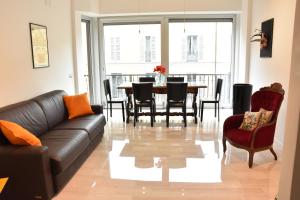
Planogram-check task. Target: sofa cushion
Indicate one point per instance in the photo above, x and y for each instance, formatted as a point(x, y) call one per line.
point(18, 135)
point(53, 106)
point(27, 114)
point(64, 147)
point(90, 123)
point(78, 105)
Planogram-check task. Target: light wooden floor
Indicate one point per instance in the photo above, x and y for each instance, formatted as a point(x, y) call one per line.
point(171, 163)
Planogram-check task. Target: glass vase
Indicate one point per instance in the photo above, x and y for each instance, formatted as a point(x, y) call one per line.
point(160, 79)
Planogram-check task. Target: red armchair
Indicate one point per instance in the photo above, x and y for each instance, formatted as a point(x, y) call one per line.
point(261, 138)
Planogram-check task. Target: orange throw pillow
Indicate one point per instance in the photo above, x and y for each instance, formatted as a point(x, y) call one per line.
point(18, 135)
point(78, 105)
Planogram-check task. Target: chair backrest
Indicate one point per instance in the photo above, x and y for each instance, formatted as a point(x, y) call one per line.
point(142, 91)
point(269, 98)
point(218, 89)
point(107, 90)
point(176, 91)
point(175, 79)
point(147, 79)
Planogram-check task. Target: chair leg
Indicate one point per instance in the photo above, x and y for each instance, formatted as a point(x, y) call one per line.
point(273, 152)
point(107, 107)
point(224, 145)
point(123, 112)
point(251, 155)
point(154, 109)
point(184, 116)
point(135, 116)
point(168, 115)
point(215, 109)
point(110, 109)
point(218, 111)
point(151, 115)
point(200, 103)
point(202, 108)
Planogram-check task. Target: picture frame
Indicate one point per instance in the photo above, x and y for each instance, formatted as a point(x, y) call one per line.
point(39, 46)
point(267, 29)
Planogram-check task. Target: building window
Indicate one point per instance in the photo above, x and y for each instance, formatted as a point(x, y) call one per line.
point(192, 48)
point(115, 48)
point(150, 46)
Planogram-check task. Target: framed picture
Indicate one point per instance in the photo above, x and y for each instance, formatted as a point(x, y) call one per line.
point(39, 45)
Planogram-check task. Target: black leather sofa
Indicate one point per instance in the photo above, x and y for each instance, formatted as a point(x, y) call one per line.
point(42, 172)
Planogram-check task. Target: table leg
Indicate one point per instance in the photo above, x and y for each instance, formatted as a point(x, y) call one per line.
point(194, 105)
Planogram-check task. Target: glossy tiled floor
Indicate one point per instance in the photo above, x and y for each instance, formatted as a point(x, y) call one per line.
point(171, 163)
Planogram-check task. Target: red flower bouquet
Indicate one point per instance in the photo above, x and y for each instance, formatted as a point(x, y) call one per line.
point(160, 69)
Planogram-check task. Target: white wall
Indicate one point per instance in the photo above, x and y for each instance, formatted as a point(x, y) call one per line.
point(152, 6)
point(292, 129)
point(264, 71)
point(19, 80)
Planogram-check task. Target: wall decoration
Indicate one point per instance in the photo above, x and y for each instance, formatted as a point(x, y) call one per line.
point(39, 45)
point(265, 38)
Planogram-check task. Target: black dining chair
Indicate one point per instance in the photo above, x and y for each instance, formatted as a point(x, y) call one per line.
point(147, 79)
point(110, 101)
point(215, 101)
point(142, 97)
point(176, 98)
point(175, 79)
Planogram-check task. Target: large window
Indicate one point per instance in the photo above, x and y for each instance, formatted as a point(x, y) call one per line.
point(132, 48)
point(204, 47)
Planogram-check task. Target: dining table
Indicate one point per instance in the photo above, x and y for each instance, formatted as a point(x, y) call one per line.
point(192, 88)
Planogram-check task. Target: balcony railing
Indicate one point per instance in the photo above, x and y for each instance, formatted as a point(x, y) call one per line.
point(209, 80)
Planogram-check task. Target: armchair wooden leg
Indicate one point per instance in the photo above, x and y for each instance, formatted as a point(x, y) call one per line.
point(251, 155)
point(273, 152)
point(224, 145)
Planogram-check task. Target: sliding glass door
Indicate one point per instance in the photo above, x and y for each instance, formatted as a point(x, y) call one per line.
point(199, 49)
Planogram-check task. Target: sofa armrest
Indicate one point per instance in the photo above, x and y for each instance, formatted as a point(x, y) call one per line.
point(28, 171)
point(98, 109)
point(233, 122)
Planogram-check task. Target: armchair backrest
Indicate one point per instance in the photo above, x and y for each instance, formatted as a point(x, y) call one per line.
point(269, 98)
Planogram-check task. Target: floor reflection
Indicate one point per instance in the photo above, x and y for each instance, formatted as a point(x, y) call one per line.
point(166, 158)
